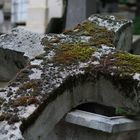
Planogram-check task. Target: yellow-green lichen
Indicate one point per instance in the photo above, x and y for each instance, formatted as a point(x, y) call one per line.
point(25, 100)
point(70, 53)
point(32, 88)
point(29, 85)
point(40, 56)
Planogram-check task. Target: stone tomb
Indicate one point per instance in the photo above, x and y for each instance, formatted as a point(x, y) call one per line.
point(88, 64)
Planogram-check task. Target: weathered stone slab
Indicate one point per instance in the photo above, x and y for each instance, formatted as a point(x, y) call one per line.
point(116, 124)
point(81, 65)
point(23, 41)
point(16, 49)
point(83, 125)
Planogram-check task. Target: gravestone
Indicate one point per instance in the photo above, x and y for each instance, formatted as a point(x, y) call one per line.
point(79, 10)
point(79, 66)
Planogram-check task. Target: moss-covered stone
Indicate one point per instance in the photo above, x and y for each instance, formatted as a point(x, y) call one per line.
point(100, 35)
point(127, 63)
point(71, 53)
point(33, 84)
point(31, 88)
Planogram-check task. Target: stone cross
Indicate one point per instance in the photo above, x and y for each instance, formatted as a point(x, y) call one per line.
point(89, 63)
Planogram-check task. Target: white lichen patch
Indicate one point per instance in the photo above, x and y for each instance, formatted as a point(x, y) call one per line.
point(95, 63)
point(25, 112)
point(85, 39)
point(104, 50)
point(3, 93)
point(110, 22)
point(136, 76)
point(10, 132)
point(82, 65)
point(97, 55)
point(36, 74)
point(50, 55)
point(36, 62)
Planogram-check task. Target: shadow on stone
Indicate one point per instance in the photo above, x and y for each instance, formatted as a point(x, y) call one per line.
point(97, 108)
point(10, 64)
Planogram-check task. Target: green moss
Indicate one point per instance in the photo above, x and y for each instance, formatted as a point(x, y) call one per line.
point(125, 112)
point(128, 63)
point(121, 64)
point(32, 86)
point(70, 53)
point(100, 35)
point(29, 85)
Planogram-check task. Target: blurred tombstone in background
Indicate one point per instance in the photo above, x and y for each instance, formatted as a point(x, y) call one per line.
point(41, 13)
point(79, 10)
point(109, 6)
point(19, 12)
point(1, 16)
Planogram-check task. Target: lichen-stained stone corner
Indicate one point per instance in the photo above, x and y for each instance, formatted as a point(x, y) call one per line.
point(78, 66)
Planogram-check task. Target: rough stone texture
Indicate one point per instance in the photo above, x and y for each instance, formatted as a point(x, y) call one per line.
point(23, 41)
point(78, 66)
point(16, 49)
point(121, 27)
